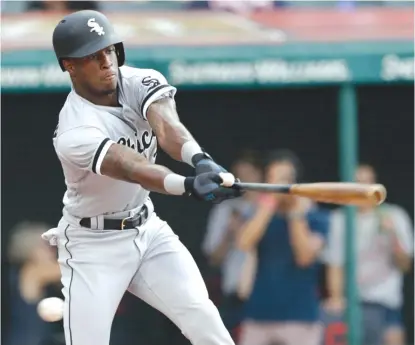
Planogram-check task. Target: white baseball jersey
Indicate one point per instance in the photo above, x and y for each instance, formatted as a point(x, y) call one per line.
point(86, 131)
point(98, 267)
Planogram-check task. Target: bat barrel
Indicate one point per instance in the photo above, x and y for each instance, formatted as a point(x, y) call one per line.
point(377, 194)
point(340, 193)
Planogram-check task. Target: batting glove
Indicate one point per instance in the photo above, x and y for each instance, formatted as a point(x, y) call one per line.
point(204, 163)
point(208, 187)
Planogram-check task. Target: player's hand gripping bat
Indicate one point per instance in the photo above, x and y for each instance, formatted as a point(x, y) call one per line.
point(340, 193)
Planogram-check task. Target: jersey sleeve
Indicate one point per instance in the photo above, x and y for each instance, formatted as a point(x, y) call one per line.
point(151, 87)
point(83, 147)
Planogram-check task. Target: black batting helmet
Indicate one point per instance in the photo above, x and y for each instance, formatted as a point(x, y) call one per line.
point(83, 33)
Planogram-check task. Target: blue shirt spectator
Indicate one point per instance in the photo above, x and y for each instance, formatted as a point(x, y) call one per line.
point(286, 234)
point(283, 291)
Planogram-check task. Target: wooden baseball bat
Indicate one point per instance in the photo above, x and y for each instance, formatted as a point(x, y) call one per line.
point(340, 193)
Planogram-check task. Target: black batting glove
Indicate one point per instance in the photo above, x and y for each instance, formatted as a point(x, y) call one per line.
point(207, 187)
point(204, 163)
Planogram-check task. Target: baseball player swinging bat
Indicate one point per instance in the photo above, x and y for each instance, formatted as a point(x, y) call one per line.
point(341, 193)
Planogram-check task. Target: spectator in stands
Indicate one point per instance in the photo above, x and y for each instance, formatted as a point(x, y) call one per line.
point(142, 5)
point(242, 7)
point(288, 234)
point(245, 6)
point(384, 245)
point(48, 5)
point(34, 275)
point(219, 243)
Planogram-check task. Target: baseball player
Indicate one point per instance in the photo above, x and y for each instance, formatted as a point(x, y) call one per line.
point(110, 240)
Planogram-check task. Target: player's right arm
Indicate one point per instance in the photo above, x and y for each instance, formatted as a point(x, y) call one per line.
point(155, 103)
point(122, 163)
point(89, 149)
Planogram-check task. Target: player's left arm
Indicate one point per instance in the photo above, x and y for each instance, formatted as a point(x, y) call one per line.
point(175, 139)
point(171, 134)
point(158, 107)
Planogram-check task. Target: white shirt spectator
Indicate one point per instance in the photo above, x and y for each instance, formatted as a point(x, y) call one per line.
point(378, 279)
point(217, 228)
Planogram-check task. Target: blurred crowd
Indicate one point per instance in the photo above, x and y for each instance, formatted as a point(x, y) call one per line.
point(268, 254)
point(243, 6)
point(281, 262)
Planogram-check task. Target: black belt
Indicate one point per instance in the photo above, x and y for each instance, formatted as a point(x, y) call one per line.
point(121, 224)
